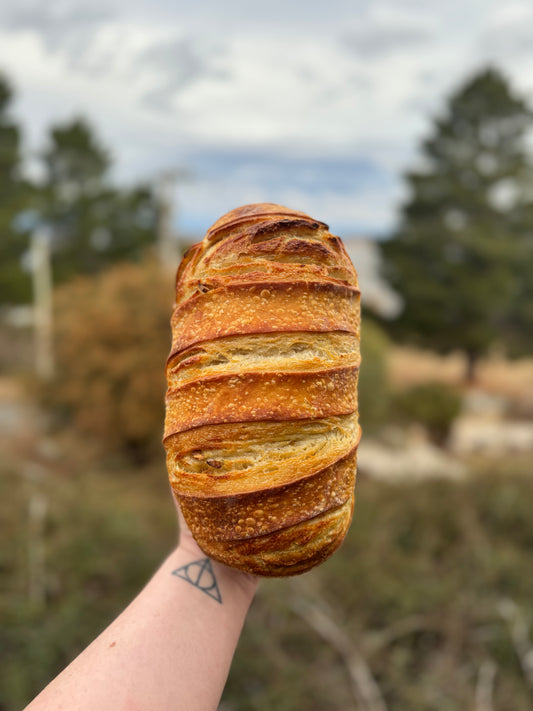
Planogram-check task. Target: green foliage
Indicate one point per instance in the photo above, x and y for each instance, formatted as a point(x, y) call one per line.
point(14, 284)
point(102, 541)
point(463, 254)
point(434, 405)
point(92, 224)
point(417, 587)
point(373, 387)
point(112, 339)
point(74, 160)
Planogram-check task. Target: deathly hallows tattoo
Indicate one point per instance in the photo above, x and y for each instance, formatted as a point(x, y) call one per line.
point(200, 574)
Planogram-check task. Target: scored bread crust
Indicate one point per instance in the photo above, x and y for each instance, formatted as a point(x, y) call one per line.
point(261, 426)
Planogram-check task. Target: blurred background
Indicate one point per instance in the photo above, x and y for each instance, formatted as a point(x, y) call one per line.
point(125, 131)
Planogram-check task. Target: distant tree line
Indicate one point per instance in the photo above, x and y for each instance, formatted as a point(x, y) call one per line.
point(91, 223)
point(461, 257)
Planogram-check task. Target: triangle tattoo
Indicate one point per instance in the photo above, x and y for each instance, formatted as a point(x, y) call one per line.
point(200, 574)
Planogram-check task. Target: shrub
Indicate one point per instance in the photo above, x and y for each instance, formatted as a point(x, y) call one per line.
point(112, 337)
point(417, 587)
point(374, 396)
point(434, 405)
point(100, 543)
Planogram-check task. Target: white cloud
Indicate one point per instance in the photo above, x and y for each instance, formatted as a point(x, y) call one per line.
point(347, 79)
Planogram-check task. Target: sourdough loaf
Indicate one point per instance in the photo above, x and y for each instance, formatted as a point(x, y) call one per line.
point(261, 426)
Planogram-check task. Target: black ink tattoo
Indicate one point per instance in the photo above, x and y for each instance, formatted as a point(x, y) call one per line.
point(200, 574)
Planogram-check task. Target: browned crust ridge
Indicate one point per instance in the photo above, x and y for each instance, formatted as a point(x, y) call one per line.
point(290, 551)
point(229, 518)
point(261, 396)
point(264, 307)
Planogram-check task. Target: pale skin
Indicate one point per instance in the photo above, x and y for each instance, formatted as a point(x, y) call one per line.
point(170, 649)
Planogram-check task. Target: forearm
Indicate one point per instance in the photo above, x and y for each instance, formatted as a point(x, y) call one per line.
point(170, 649)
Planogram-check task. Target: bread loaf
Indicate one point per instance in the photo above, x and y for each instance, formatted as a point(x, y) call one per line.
point(261, 426)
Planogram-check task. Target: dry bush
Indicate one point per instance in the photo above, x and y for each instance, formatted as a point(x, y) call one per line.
point(112, 337)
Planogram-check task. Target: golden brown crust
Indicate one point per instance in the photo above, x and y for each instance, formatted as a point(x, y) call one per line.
point(261, 353)
point(248, 214)
point(250, 397)
point(290, 551)
point(246, 457)
point(264, 307)
point(228, 518)
point(261, 423)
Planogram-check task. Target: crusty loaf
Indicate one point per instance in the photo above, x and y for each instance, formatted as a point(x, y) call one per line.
point(261, 426)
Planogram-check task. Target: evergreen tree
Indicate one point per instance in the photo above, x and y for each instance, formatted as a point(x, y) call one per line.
point(15, 284)
point(92, 224)
point(462, 257)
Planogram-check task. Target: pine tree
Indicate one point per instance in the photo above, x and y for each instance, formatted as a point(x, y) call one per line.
point(92, 223)
point(462, 257)
point(15, 285)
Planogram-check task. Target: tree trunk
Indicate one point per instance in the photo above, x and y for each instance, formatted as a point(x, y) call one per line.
point(472, 358)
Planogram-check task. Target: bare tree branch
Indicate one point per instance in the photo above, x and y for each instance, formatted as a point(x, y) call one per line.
point(402, 628)
point(365, 689)
point(485, 686)
point(519, 632)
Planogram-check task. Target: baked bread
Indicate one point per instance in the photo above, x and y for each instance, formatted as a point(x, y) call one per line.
point(261, 426)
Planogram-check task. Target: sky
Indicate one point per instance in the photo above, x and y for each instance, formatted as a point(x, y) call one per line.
point(320, 106)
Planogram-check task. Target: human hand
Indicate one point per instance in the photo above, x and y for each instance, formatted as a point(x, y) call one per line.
point(188, 544)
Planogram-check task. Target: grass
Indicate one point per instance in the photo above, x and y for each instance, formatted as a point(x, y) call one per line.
point(104, 534)
point(418, 588)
